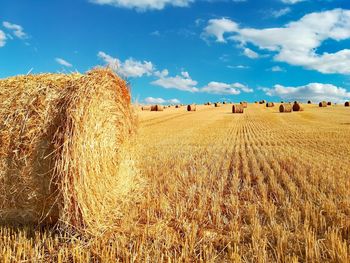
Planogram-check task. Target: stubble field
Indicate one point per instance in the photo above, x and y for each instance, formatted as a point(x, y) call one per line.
point(262, 186)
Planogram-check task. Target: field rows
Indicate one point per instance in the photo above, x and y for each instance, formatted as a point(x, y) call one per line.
point(221, 187)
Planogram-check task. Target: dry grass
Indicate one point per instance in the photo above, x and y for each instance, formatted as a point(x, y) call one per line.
point(64, 150)
point(221, 187)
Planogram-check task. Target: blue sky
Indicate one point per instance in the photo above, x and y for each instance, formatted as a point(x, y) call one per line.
point(187, 50)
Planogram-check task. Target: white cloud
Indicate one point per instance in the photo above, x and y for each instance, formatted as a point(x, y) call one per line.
point(250, 53)
point(2, 39)
point(291, 2)
point(63, 62)
point(143, 5)
point(297, 42)
point(183, 82)
point(129, 68)
point(219, 27)
point(225, 89)
point(313, 91)
point(276, 69)
point(17, 30)
point(151, 100)
point(280, 12)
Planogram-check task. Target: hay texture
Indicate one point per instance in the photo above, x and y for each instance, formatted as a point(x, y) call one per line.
point(191, 107)
point(298, 107)
point(146, 108)
point(347, 104)
point(237, 108)
point(322, 104)
point(285, 107)
point(270, 104)
point(65, 150)
point(157, 108)
point(244, 104)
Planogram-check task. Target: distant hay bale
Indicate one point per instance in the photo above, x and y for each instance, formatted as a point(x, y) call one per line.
point(285, 107)
point(191, 107)
point(65, 154)
point(144, 108)
point(297, 107)
point(270, 104)
point(217, 104)
point(347, 104)
point(157, 108)
point(322, 104)
point(244, 104)
point(329, 103)
point(237, 108)
point(309, 102)
point(262, 102)
point(224, 102)
point(177, 106)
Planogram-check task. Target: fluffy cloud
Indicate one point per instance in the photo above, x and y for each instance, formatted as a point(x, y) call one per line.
point(63, 62)
point(151, 100)
point(143, 5)
point(2, 39)
point(183, 82)
point(250, 53)
point(130, 68)
point(219, 27)
point(225, 89)
point(313, 91)
point(297, 42)
point(16, 30)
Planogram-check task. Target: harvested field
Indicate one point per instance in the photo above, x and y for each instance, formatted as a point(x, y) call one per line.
point(221, 187)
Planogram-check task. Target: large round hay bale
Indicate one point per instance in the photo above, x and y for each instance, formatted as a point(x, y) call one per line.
point(262, 102)
point(298, 107)
point(347, 104)
point(191, 107)
point(322, 104)
point(309, 102)
point(285, 107)
point(146, 108)
point(157, 108)
point(65, 150)
point(177, 106)
point(329, 103)
point(244, 104)
point(217, 104)
point(237, 108)
point(270, 104)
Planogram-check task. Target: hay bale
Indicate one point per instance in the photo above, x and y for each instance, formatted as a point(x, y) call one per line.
point(329, 103)
point(144, 108)
point(270, 104)
point(177, 106)
point(347, 104)
point(217, 104)
point(285, 107)
point(297, 107)
point(309, 102)
point(244, 104)
point(191, 107)
point(65, 150)
point(157, 108)
point(262, 102)
point(322, 104)
point(237, 108)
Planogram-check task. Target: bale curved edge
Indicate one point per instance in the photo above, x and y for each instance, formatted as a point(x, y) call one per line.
point(66, 150)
